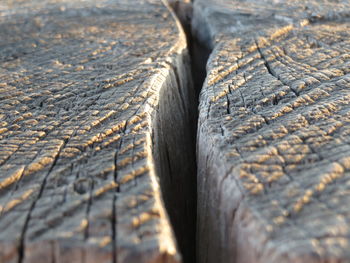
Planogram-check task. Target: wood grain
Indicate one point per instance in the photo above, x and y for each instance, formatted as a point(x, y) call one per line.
point(273, 135)
point(81, 90)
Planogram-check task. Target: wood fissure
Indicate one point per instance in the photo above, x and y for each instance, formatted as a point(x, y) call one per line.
point(199, 54)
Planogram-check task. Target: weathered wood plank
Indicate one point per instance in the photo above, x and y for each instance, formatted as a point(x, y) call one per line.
point(83, 87)
point(273, 135)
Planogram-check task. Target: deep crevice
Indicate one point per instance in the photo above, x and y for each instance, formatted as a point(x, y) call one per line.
point(114, 205)
point(176, 137)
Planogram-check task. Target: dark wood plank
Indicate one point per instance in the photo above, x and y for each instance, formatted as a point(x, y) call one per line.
point(273, 142)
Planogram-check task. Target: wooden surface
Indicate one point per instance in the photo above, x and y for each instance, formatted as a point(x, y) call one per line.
point(87, 91)
point(273, 135)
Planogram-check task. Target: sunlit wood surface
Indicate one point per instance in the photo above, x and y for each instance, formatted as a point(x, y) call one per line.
point(274, 132)
point(80, 89)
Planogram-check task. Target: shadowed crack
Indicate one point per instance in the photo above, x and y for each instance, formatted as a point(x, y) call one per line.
point(181, 202)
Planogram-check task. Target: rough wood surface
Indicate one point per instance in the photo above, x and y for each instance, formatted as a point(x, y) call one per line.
point(81, 90)
point(273, 135)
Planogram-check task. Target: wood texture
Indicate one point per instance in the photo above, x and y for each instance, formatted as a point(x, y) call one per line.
point(273, 135)
point(81, 93)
